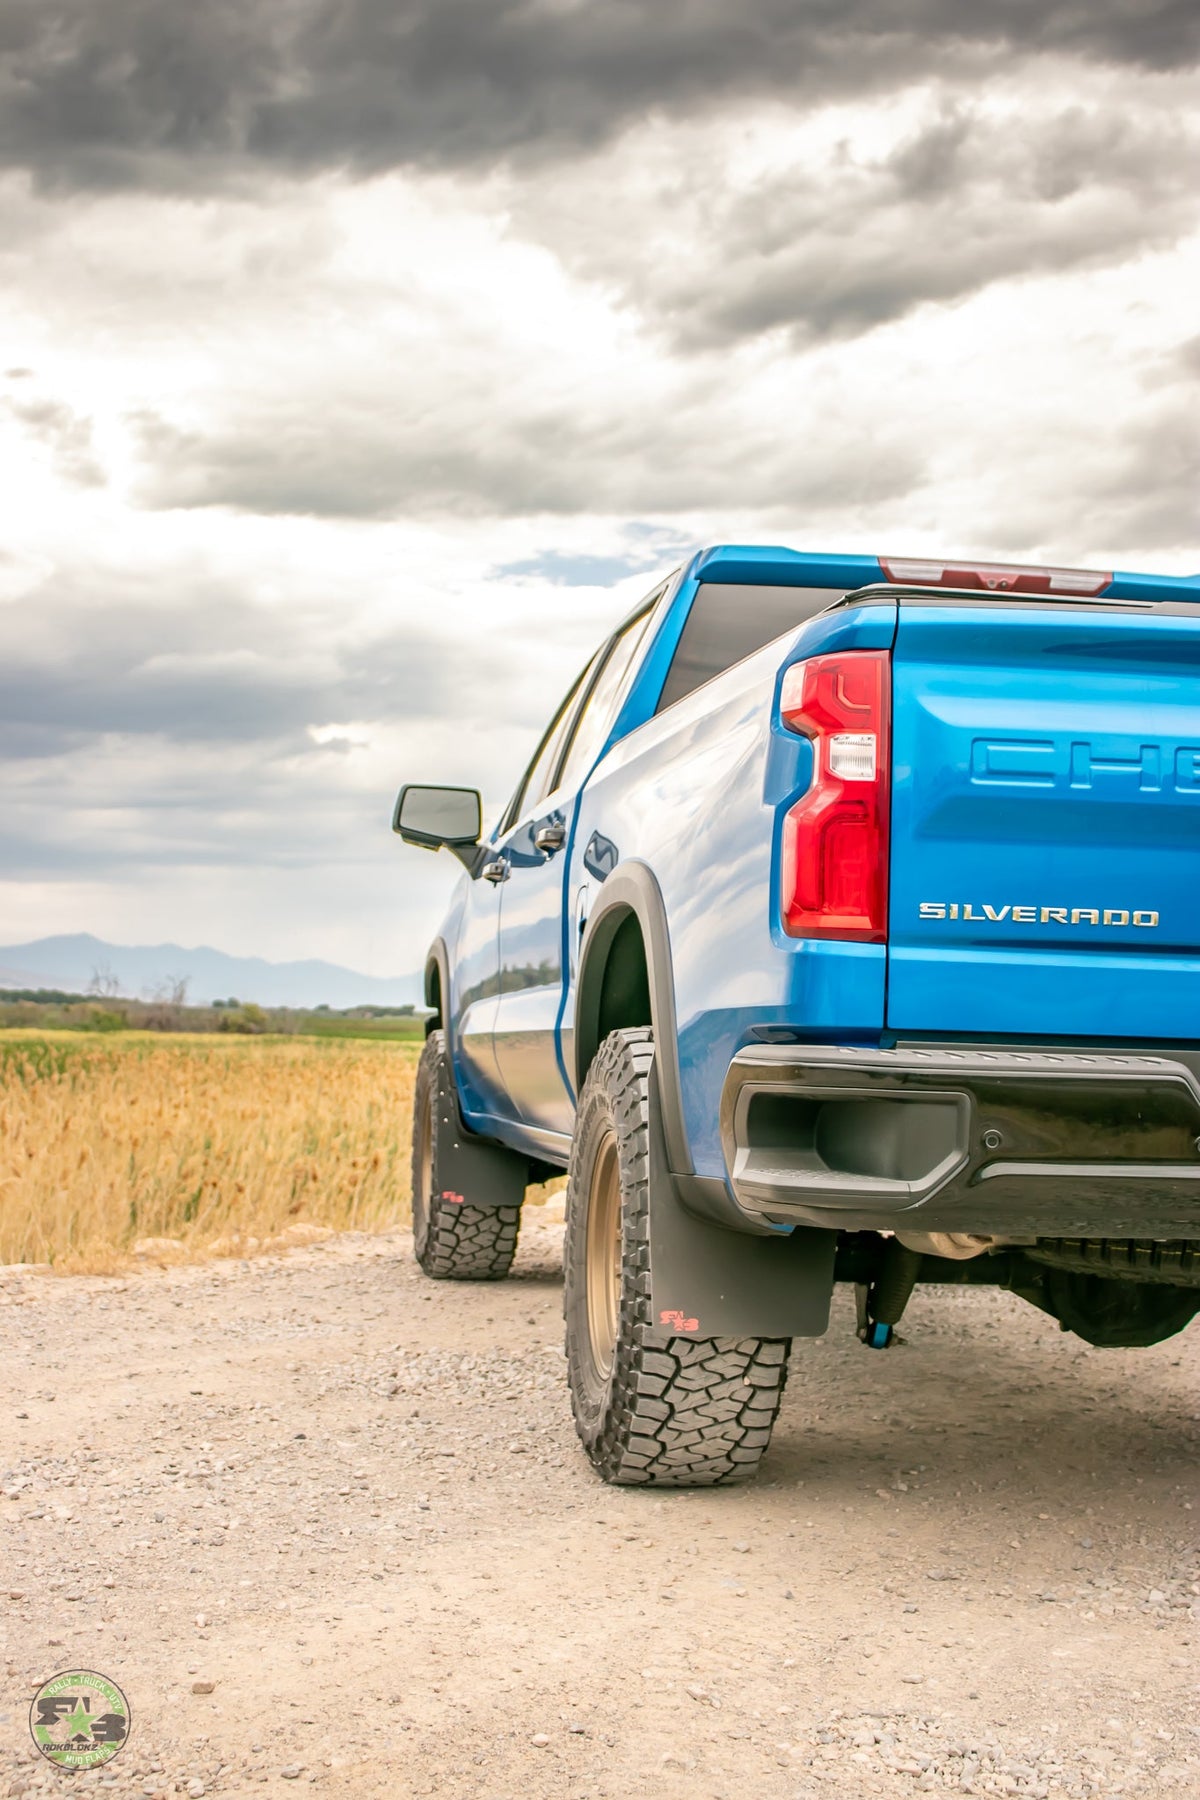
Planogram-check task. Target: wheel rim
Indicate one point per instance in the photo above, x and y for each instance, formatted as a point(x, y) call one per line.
point(604, 1257)
point(423, 1186)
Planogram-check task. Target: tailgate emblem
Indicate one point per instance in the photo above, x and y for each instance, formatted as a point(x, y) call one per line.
point(1112, 764)
point(1115, 917)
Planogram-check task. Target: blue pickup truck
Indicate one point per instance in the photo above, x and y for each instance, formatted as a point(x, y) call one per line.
point(845, 926)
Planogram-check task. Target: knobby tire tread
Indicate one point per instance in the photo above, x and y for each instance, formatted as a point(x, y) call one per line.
point(456, 1241)
point(687, 1413)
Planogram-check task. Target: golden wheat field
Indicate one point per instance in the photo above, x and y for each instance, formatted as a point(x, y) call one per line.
point(110, 1142)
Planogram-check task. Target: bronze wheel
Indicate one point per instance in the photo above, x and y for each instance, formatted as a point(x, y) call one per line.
point(650, 1409)
point(604, 1257)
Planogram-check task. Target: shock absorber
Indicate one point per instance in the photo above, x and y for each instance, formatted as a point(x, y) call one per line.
point(881, 1304)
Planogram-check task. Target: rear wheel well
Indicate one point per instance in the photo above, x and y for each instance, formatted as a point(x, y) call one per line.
point(615, 991)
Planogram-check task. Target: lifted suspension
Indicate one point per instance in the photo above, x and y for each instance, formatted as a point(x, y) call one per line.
point(881, 1301)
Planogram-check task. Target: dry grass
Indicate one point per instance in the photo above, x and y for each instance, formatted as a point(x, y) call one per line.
point(106, 1141)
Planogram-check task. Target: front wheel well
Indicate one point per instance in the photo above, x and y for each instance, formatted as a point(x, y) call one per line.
point(614, 992)
point(433, 996)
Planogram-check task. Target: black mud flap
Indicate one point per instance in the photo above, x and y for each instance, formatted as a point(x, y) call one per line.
point(470, 1169)
point(707, 1281)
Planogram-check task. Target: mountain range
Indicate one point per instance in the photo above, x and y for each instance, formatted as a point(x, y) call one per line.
point(81, 963)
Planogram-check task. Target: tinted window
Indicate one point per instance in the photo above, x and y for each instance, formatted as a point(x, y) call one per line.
point(601, 708)
point(727, 624)
point(536, 782)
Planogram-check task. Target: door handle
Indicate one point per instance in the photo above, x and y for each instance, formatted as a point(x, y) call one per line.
point(495, 871)
point(550, 838)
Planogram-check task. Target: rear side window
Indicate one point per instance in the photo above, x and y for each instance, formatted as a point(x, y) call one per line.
point(728, 623)
point(601, 707)
point(535, 783)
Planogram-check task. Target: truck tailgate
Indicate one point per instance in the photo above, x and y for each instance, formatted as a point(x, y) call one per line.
point(1045, 861)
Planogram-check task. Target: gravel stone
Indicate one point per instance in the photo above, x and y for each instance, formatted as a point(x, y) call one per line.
point(413, 1643)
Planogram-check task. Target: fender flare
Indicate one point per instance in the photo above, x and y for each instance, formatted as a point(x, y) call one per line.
point(632, 888)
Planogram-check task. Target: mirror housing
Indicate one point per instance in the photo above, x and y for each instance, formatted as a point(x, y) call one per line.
point(437, 818)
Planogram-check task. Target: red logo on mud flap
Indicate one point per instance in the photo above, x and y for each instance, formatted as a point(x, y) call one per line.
point(677, 1321)
point(455, 1199)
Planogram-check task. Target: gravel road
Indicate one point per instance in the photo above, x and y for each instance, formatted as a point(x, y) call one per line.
point(327, 1523)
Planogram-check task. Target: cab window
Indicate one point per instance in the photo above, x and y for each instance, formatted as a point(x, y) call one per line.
point(600, 708)
point(535, 783)
point(728, 623)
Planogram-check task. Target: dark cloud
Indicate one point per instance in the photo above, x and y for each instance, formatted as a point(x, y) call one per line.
point(836, 246)
point(1115, 490)
point(130, 92)
point(223, 824)
point(88, 657)
point(1147, 497)
point(504, 455)
point(155, 753)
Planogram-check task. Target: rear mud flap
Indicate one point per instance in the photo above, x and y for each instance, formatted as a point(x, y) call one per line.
point(706, 1281)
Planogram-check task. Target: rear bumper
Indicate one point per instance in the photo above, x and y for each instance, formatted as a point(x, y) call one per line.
point(1016, 1143)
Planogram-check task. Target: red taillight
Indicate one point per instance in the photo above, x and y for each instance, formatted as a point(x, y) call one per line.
point(835, 839)
point(995, 578)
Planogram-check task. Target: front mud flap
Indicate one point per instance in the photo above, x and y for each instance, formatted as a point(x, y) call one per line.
point(470, 1170)
point(707, 1281)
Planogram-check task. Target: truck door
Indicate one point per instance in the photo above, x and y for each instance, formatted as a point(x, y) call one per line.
point(475, 988)
point(536, 1092)
point(479, 947)
point(1045, 877)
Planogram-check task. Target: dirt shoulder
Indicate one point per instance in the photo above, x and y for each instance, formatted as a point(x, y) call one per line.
point(352, 1500)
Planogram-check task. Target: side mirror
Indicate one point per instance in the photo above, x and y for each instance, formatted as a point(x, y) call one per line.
point(440, 818)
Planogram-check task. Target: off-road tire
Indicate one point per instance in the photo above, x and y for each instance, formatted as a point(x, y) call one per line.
point(688, 1414)
point(452, 1240)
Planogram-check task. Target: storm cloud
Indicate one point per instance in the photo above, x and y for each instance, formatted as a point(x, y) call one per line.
point(101, 656)
point(169, 741)
point(365, 359)
point(835, 242)
point(509, 455)
point(98, 93)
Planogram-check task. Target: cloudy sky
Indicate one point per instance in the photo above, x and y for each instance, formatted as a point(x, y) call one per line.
point(361, 360)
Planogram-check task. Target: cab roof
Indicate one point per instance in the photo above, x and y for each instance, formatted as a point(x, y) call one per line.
point(776, 566)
